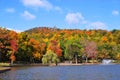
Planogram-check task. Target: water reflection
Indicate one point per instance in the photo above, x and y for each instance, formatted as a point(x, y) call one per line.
point(92, 72)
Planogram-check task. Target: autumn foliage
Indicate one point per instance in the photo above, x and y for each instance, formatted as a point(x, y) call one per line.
point(33, 44)
point(55, 47)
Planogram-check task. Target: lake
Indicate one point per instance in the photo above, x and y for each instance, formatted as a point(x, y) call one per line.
point(84, 72)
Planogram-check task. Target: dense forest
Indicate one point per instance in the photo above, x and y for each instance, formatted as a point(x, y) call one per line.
point(51, 45)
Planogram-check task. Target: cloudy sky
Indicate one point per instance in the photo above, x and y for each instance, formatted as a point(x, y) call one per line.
point(21, 15)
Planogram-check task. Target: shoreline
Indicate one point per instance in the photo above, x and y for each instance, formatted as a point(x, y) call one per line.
point(53, 64)
point(4, 69)
point(59, 64)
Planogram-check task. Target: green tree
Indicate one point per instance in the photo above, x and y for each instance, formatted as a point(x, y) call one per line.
point(50, 57)
point(25, 50)
point(73, 50)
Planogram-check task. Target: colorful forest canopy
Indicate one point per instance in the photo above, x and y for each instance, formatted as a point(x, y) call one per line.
point(67, 44)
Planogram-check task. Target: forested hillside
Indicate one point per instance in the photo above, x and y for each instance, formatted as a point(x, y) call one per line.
point(51, 45)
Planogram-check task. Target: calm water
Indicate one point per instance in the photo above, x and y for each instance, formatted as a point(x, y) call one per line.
point(92, 72)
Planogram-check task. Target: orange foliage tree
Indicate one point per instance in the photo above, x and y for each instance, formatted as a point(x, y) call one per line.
point(55, 47)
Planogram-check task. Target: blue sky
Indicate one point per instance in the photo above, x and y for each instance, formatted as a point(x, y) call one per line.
point(21, 15)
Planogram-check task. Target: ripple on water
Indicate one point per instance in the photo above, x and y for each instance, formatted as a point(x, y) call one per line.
point(92, 72)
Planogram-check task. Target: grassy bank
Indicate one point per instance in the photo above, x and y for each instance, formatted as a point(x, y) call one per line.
point(4, 64)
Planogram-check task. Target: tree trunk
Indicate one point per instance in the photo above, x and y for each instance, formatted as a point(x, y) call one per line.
point(11, 62)
point(92, 60)
point(86, 60)
point(76, 59)
point(56, 63)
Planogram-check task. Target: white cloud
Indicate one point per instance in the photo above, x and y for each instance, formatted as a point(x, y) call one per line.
point(10, 10)
point(18, 31)
point(58, 9)
point(97, 25)
point(28, 15)
point(45, 4)
point(75, 18)
point(37, 3)
point(78, 18)
point(115, 12)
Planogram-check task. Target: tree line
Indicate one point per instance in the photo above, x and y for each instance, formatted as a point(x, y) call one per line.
point(52, 45)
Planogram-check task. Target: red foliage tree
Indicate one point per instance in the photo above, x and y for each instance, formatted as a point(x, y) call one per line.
point(14, 49)
point(90, 50)
point(13, 45)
